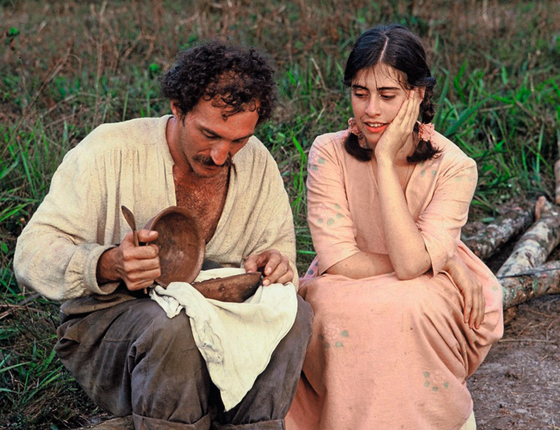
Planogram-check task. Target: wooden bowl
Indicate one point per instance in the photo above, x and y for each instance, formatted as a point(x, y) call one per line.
point(236, 288)
point(181, 245)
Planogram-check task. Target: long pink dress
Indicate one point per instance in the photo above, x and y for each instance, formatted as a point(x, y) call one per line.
point(389, 354)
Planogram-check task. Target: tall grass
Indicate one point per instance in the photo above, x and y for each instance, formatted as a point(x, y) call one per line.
point(68, 66)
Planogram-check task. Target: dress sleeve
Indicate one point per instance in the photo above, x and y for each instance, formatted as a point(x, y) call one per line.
point(57, 252)
point(328, 215)
point(441, 222)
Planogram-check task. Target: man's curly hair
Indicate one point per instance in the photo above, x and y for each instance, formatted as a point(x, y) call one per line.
point(235, 77)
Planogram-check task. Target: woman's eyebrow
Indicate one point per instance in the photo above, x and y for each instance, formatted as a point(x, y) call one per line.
point(387, 88)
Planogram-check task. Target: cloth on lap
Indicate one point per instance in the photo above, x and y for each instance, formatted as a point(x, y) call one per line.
point(236, 340)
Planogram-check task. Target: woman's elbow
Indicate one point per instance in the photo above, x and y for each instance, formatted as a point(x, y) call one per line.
point(405, 275)
point(412, 270)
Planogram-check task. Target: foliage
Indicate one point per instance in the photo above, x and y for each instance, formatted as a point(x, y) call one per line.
point(68, 66)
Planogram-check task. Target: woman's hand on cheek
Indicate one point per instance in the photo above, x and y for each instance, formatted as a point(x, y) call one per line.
point(400, 130)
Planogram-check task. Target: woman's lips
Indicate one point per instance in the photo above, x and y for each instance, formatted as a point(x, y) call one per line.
point(375, 127)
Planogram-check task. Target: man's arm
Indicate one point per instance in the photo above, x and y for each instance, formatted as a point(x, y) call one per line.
point(58, 251)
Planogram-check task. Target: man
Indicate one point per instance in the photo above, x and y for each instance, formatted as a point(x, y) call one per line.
point(121, 347)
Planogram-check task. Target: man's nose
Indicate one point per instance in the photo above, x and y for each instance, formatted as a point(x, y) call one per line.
point(220, 153)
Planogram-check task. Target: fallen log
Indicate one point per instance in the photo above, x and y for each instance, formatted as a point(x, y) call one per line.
point(525, 274)
point(511, 223)
point(557, 180)
point(536, 244)
point(520, 287)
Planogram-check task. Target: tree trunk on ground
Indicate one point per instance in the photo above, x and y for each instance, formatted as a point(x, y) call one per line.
point(524, 274)
point(521, 287)
point(509, 224)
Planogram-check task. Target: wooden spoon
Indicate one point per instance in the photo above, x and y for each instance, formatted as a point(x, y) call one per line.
point(129, 217)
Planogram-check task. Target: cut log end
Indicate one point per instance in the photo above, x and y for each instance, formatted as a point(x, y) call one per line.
point(557, 180)
point(540, 207)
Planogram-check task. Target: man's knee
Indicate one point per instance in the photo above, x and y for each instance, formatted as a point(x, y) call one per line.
point(304, 318)
point(169, 340)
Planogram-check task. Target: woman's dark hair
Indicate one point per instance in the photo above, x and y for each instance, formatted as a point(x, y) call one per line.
point(395, 46)
point(233, 76)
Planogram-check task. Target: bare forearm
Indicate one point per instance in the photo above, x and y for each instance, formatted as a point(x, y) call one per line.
point(456, 268)
point(405, 244)
point(362, 265)
point(106, 267)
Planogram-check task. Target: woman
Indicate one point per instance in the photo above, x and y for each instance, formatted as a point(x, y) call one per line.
point(404, 312)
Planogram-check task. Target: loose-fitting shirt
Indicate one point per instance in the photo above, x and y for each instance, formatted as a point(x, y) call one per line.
point(129, 164)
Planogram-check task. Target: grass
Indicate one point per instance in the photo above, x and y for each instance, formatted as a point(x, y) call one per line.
point(66, 67)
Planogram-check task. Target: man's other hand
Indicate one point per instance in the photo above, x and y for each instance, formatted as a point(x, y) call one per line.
point(137, 266)
point(277, 269)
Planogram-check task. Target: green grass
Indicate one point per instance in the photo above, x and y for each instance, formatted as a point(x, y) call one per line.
point(66, 67)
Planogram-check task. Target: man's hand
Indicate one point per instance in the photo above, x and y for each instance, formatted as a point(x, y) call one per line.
point(137, 266)
point(277, 269)
point(471, 289)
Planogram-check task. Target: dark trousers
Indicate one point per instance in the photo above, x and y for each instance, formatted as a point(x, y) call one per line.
point(133, 359)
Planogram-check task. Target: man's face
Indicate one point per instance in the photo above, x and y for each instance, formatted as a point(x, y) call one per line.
point(209, 137)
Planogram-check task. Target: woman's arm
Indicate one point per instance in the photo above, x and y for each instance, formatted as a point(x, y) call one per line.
point(405, 244)
point(329, 216)
point(362, 265)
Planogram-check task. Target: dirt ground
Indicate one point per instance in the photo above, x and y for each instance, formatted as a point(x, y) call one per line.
point(518, 385)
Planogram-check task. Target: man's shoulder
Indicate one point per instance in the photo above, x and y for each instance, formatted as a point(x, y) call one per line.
point(254, 155)
point(121, 134)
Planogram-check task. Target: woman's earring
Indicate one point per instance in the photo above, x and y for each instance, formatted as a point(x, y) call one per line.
point(353, 128)
point(426, 131)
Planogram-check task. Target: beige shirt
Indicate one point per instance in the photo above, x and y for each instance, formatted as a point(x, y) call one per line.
point(129, 164)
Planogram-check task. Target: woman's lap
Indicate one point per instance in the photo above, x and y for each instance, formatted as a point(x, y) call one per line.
point(387, 353)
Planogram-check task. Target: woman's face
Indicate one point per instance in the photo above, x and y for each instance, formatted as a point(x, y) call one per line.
point(377, 96)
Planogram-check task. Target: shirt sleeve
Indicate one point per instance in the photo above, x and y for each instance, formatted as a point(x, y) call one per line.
point(57, 252)
point(275, 215)
point(441, 222)
point(328, 214)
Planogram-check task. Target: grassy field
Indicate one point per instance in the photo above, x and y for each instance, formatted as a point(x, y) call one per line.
point(68, 66)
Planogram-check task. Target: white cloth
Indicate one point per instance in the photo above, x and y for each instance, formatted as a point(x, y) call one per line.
point(235, 339)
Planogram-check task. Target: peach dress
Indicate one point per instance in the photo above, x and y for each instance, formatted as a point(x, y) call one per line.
point(389, 354)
